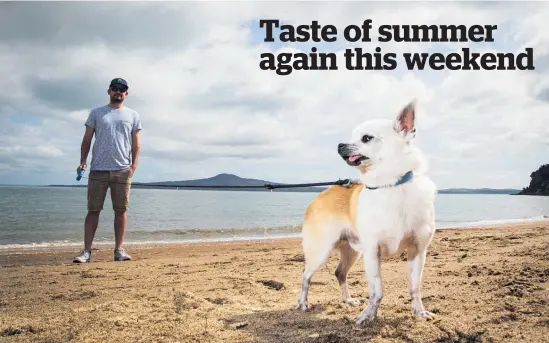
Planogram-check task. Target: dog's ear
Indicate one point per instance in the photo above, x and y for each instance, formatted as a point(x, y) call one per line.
point(406, 120)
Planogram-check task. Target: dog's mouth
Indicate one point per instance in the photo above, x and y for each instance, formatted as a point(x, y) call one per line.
point(355, 160)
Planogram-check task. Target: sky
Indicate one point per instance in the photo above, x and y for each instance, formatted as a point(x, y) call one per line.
point(207, 108)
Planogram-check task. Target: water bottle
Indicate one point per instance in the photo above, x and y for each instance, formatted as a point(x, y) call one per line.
point(79, 174)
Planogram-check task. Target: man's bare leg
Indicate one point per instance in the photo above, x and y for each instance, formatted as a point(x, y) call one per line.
point(120, 220)
point(90, 226)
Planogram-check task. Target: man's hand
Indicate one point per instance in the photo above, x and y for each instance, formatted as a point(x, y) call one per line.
point(132, 170)
point(82, 166)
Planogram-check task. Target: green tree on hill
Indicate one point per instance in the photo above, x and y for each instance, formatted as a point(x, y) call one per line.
point(539, 183)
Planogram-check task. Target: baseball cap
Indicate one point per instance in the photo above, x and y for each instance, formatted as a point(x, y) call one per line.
point(119, 81)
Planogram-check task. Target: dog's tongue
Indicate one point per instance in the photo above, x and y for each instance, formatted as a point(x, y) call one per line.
point(354, 158)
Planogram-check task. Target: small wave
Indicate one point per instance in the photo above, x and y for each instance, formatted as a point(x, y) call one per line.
point(65, 244)
point(43, 245)
point(168, 236)
point(498, 222)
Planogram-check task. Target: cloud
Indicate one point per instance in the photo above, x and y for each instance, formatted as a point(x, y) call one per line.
point(207, 108)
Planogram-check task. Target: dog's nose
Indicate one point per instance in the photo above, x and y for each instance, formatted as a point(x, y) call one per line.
point(341, 148)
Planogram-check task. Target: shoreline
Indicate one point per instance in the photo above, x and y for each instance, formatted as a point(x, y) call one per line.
point(100, 245)
point(485, 283)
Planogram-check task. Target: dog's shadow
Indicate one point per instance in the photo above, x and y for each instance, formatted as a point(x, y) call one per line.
point(294, 326)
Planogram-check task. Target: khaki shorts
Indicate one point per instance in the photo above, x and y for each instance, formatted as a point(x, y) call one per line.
point(119, 183)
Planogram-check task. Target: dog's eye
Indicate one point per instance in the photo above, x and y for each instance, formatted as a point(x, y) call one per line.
point(366, 138)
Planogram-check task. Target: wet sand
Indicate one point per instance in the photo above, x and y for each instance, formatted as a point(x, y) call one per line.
point(484, 284)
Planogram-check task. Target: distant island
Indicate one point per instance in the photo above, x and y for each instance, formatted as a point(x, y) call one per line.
point(539, 183)
point(478, 191)
point(226, 181)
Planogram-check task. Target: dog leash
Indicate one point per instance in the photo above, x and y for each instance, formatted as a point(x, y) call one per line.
point(268, 186)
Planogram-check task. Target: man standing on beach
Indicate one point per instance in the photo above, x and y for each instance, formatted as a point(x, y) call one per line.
point(114, 160)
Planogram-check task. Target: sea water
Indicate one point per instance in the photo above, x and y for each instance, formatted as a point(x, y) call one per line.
point(50, 217)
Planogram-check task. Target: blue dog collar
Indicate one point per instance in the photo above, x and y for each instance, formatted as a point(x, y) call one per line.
point(403, 179)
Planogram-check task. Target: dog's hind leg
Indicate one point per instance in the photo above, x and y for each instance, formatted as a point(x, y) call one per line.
point(316, 251)
point(314, 259)
point(348, 257)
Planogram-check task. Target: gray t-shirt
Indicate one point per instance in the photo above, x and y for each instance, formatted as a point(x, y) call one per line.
point(112, 149)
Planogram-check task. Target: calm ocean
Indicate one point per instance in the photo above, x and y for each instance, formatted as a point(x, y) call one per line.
point(42, 217)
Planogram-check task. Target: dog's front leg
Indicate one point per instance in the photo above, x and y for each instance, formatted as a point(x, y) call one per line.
point(372, 266)
point(416, 263)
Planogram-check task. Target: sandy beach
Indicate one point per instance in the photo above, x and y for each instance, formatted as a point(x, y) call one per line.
point(484, 284)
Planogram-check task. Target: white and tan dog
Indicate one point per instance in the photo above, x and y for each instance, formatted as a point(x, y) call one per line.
point(390, 211)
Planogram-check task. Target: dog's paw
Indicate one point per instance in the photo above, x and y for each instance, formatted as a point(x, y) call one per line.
point(352, 301)
point(424, 314)
point(303, 306)
point(368, 315)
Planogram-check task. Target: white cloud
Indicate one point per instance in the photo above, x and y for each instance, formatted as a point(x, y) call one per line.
point(207, 108)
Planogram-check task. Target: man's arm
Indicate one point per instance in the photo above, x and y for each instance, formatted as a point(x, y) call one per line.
point(86, 144)
point(135, 149)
